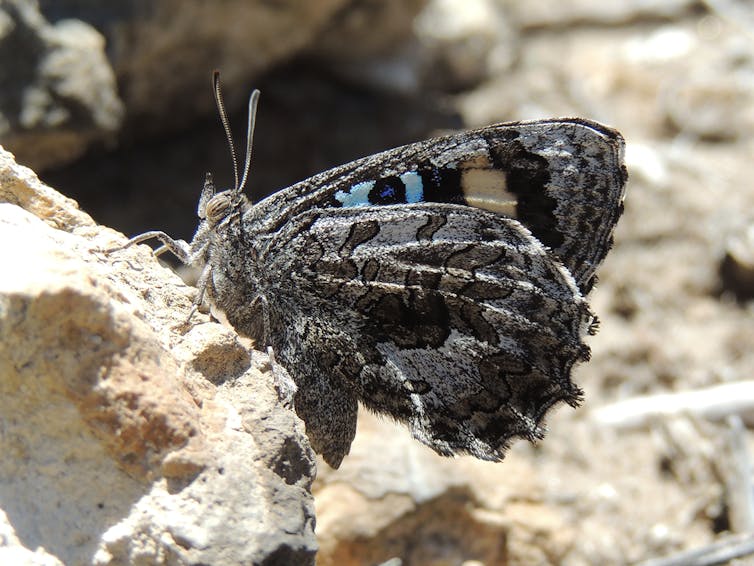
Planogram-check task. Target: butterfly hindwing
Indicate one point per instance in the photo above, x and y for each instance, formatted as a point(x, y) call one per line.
point(454, 320)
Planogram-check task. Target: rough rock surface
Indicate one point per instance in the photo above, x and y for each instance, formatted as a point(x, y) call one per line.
point(57, 89)
point(128, 436)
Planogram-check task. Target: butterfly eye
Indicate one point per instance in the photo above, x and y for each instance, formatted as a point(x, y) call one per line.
point(218, 207)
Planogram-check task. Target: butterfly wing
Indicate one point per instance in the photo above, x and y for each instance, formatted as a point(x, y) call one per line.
point(454, 320)
point(563, 179)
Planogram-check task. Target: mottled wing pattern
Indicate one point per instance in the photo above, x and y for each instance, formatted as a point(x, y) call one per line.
point(449, 318)
point(563, 179)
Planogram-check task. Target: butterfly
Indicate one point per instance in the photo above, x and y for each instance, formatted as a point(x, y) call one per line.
point(441, 283)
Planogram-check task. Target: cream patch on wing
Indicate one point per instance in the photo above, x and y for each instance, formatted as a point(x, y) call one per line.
point(487, 189)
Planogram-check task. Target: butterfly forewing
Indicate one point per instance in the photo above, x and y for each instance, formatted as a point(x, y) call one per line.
point(562, 179)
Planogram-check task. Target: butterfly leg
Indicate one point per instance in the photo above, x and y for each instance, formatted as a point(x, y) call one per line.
point(179, 248)
point(201, 286)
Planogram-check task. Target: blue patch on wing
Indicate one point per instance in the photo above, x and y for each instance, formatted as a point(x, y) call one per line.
point(406, 188)
point(414, 187)
point(387, 193)
point(357, 195)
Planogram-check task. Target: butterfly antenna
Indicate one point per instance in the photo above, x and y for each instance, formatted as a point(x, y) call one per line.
point(253, 102)
point(226, 124)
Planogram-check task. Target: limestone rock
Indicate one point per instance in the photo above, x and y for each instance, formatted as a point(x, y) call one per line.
point(57, 89)
point(465, 42)
point(127, 434)
point(412, 504)
point(554, 13)
point(13, 552)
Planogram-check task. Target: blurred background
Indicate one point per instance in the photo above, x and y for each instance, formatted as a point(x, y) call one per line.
point(111, 103)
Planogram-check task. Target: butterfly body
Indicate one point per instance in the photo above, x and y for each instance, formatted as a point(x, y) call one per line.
point(441, 283)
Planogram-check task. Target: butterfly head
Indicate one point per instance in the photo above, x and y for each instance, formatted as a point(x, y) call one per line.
point(218, 207)
point(214, 207)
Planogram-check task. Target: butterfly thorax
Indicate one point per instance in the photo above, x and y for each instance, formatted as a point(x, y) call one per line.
point(233, 287)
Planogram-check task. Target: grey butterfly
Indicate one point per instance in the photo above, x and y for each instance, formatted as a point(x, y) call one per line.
point(440, 283)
